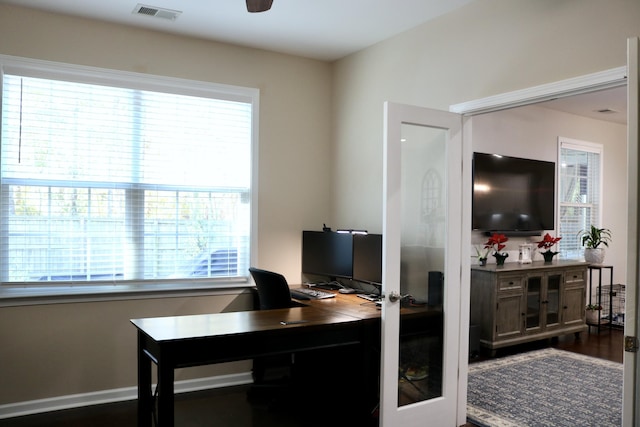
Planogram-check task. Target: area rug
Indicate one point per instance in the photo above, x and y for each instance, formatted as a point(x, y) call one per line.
point(547, 387)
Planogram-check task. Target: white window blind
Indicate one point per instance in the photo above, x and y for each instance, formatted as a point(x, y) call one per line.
point(580, 186)
point(107, 183)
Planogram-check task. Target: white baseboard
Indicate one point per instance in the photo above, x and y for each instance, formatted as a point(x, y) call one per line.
point(115, 395)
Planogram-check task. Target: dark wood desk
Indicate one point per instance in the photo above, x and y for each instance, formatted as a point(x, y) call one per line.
point(185, 341)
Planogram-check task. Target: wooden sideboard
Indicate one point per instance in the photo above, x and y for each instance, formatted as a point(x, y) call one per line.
point(517, 303)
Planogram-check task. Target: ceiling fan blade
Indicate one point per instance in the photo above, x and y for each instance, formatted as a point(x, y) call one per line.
point(259, 5)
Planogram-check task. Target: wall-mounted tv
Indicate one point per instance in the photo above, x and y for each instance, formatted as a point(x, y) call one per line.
point(513, 195)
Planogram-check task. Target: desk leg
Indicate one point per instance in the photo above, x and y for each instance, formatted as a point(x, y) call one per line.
point(165, 393)
point(369, 379)
point(145, 405)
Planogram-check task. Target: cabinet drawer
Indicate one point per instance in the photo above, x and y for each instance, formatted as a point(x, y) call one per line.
point(575, 276)
point(506, 283)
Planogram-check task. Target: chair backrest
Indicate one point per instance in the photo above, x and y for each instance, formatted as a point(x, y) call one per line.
point(273, 289)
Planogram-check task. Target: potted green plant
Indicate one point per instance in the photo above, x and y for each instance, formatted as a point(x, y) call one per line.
point(593, 239)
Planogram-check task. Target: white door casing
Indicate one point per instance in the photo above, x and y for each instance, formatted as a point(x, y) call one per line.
point(631, 361)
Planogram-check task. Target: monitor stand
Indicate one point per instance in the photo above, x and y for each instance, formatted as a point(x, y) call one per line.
point(330, 286)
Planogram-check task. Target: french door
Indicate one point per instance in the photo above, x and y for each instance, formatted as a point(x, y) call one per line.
point(426, 223)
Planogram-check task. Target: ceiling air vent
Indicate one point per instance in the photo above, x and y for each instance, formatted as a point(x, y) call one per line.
point(156, 12)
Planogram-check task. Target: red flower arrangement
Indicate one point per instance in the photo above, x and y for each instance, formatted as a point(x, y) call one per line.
point(496, 242)
point(547, 241)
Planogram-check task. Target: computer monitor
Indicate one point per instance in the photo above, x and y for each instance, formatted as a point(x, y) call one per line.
point(367, 258)
point(327, 253)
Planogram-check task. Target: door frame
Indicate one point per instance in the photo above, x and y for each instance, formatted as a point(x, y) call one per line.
point(611, 78)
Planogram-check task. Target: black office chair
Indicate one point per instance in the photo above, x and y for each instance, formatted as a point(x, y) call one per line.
point(273, 289)
point(271, 372)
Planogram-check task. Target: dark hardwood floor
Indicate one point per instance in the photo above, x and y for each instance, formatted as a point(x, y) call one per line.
point(231, 407)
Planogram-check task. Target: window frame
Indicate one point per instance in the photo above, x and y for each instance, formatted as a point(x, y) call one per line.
point(23, 294)
point(584, 146)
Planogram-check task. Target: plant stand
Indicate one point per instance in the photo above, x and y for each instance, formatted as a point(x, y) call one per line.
point(602, 320)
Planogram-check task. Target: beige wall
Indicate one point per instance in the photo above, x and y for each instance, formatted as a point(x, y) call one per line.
point(55, 350)
point(294, 107)
point(62, 349)
point(485, 48)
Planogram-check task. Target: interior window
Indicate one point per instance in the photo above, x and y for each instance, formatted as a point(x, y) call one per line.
point(580, 183)
point(113, 182)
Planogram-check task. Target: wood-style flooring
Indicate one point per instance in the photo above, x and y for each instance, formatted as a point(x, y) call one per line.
point(230, 407)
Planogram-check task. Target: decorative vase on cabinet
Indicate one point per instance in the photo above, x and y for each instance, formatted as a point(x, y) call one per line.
point(500, 258)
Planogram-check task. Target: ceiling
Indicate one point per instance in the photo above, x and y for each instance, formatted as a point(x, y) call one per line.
point(608, 105)
point(319, 29)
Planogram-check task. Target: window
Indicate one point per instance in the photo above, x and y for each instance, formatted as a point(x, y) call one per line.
point(112, 177)
point(579, 198)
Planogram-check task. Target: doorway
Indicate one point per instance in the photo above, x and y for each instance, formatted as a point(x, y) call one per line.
point(601, 109)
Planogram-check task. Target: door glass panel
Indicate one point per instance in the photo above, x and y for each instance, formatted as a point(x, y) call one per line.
point(534, 285)
point(553, 299)
point(422, 262)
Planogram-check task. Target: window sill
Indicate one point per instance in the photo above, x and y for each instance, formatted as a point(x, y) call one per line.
point(12, 295)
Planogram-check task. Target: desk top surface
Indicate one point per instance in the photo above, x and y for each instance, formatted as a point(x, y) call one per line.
point(236, 323)
point(348, 304)
point(344, 308)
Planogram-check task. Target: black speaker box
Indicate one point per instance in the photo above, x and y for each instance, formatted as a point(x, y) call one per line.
point(436, 288)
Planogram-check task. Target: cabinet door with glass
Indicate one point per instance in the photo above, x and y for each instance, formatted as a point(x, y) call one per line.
point(543, 302)
point(533, 308)
point(551, 301)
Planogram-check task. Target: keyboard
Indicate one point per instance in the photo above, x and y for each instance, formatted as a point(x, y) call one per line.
point(305, 293)
point(369, 297)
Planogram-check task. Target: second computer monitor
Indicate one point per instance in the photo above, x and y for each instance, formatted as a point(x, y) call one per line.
point(367, 258)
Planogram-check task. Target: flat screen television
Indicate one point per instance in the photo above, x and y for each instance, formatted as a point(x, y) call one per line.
point(513, 195)
point(367, 258)
point(327, 253)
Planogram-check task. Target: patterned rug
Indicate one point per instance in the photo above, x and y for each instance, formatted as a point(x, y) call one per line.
point(547, 387)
